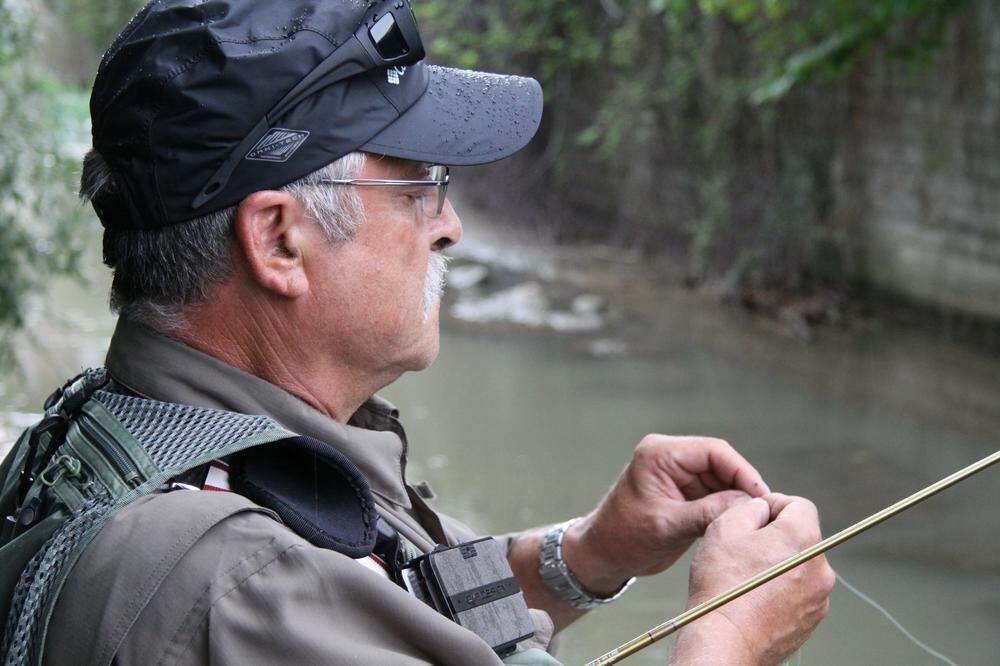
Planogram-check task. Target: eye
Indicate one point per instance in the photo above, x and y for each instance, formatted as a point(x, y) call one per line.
point(414, 198)
point(421, 199)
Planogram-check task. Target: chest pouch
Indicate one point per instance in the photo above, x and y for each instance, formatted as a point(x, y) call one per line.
point(473, 585)
point(323, 497)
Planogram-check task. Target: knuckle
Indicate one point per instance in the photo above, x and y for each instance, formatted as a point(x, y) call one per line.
point(821, 578)
point(649, 440)
point(807, 520)
point(823, 610)
point(809, 507)
point(809, 504)
point(828, 579)
point(711, 443)
point(716, 442)
point(805, 505)
point(650, 445)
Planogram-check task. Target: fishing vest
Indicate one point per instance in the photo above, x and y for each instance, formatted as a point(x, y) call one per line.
point(97, 450)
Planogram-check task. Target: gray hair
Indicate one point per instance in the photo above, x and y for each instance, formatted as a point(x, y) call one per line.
point(160, 273)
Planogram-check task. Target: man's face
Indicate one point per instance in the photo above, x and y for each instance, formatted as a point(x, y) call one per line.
point(378, 290)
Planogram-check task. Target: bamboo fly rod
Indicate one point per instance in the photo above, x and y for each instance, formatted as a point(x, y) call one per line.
point(670, 626)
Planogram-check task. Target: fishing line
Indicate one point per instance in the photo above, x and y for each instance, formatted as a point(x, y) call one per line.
point(690, 615)
point(896, 623)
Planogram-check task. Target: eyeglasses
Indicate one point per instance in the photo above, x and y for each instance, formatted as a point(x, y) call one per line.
point(438, 177)
point(387, 36)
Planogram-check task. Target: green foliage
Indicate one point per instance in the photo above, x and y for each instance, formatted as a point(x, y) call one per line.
point(792, 41)
point(559, 41)
point(40, 148)
point(799, 41)
point(623, 78)
point(99, 20)
point(709, 80)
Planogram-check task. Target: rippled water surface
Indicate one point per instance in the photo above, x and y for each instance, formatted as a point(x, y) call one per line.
point(515, 431)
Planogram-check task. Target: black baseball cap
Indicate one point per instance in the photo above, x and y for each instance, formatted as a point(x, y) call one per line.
point(199, 103)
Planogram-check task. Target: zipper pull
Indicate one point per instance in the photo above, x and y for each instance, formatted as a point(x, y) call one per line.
point(62, 466)
point(50, 423)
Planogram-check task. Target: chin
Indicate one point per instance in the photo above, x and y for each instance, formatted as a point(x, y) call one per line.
point(433, 345)
point(424, 348)
point(427, 360)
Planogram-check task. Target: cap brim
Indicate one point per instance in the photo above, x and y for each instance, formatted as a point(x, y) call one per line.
point(464, 118)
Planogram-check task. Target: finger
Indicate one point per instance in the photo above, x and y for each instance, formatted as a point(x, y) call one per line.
point(798, 516)
point(710, 457)
point(692, 518)
point(713, 483)
point(694, 488)
point(778, 502)
point(743, 517)
point(733, 468)
point(670, 465)
point(792, 507)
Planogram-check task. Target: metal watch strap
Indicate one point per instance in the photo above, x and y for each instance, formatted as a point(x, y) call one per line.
point(560, 580)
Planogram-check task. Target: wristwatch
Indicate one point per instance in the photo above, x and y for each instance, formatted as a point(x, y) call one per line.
point(560, 580)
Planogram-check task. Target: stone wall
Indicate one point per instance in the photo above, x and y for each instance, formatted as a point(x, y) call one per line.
point(917, 171)
point(888, 179)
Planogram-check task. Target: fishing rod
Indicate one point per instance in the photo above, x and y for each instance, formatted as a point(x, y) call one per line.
point(670, 626)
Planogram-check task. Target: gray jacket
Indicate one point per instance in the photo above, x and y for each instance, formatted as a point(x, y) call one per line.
point(211, 578)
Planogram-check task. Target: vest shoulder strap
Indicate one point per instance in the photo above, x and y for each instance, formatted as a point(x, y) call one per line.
point(95, 452)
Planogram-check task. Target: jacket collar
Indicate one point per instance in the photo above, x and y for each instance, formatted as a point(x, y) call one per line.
point(162, 368)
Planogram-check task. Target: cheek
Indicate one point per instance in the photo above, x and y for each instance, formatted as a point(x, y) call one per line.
point(387, 268)
point(406, 272)
point(393, 292)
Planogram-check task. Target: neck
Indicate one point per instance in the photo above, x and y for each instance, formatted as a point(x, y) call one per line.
point(265, 341)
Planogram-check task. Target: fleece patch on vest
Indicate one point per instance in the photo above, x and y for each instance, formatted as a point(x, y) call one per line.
point(314, 489)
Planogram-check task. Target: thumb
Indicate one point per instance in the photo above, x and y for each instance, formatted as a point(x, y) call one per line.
point(743, 517)
point(698, 514)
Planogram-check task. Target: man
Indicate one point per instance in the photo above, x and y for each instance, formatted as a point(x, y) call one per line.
point(267, 176)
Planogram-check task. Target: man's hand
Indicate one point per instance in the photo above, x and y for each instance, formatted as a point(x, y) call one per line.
point(671, 492)
point(764, 626)
point(666, 497)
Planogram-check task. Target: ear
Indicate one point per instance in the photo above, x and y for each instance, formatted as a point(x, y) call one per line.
point(270, 234)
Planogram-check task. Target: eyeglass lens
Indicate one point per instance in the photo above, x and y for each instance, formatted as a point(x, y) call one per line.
point(440, 173)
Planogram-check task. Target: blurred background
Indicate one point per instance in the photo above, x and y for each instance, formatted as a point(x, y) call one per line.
point(774, 221)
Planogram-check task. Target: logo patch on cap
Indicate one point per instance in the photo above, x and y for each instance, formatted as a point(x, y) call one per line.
point(277, 145)
point(393, 74)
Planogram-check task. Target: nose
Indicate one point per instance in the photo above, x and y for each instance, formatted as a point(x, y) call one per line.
point(448, 229)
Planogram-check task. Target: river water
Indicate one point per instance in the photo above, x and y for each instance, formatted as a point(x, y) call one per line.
point(516, 426)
